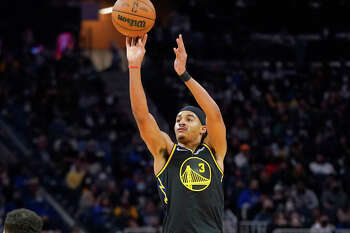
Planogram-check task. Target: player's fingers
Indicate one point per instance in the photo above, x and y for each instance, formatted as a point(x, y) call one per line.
point(181, 43)
point(180, 46)
point(132, 41)
point(127, 41)
point(178, 43)
point(139, 42)
point(175, 51)
point(144, 39)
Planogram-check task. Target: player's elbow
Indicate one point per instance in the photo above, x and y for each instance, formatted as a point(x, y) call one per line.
point(139, 115)
point(143, 120)
point(143, 136)
point(140, 119)
point(142, 126)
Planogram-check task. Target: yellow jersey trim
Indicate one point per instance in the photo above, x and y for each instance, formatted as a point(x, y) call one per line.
point(162, 188)
point(212, 155)
point(171, 155)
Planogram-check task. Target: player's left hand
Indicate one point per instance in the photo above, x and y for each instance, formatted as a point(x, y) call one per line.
point(181, 56)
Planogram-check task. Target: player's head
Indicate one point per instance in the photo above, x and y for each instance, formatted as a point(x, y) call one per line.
point(190, 124)
point(22, 221)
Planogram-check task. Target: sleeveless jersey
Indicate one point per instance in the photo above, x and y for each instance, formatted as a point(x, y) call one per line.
point(190, 187)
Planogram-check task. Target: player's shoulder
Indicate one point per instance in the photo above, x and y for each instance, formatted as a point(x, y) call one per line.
point(209, 147)
point(212, 149)
point(206, 142)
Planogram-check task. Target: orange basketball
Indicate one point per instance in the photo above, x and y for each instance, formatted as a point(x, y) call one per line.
point(133, 17)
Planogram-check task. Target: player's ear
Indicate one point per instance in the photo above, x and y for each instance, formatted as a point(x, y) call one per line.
point(203, 129)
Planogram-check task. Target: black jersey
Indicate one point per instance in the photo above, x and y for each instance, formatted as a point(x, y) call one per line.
point(190, 187)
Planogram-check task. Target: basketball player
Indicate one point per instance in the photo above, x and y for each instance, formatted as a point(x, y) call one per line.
point(189, 172)
point(22, 221)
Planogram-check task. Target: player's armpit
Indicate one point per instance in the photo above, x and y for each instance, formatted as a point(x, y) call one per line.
point(218, 156)
point(168, 141)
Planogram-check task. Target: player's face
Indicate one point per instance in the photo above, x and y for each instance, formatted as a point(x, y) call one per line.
point(188, 127)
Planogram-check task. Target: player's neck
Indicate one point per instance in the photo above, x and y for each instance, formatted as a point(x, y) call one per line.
point(190, 145)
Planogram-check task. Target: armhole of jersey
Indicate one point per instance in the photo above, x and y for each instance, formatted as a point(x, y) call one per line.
point(212, 155)
point(167, 162)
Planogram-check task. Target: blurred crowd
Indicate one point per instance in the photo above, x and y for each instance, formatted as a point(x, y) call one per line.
point(59, 106)
point(288, 160)
point(20, 189)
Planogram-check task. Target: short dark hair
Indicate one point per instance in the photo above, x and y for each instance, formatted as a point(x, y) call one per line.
point(23, 221)
point(199, 113)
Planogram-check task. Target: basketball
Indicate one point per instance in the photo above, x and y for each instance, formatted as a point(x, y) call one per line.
point(133, 18)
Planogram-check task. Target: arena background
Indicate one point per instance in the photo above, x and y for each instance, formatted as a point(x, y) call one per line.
point(279, 70)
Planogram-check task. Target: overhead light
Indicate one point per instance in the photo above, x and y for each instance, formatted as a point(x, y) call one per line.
point(107, 10)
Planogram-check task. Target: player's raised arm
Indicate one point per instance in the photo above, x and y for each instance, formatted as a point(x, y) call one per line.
point(158, 142)
point(215, 124)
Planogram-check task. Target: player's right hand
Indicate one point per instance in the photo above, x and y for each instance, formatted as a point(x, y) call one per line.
point(135, 50)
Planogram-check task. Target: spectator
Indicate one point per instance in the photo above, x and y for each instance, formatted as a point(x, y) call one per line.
point(249, 197)
point(305, 199)
point(321, 167)
point(343, 215)
point(151, 216)
point(298, 173)
point(280, 220)
point(279, 197)
point(322, 226)
point(266, 183)
point(76, 174)
point(266, 214)
point(242, 158)
point(295, 220)
point(333, 198)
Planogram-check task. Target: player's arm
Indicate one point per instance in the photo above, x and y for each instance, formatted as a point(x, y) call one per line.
point(215, 125)
point(158, 142)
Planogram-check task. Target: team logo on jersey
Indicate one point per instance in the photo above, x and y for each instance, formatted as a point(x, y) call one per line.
point(195, 174)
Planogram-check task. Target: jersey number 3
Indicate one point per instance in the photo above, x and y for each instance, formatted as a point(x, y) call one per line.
point(201, 167)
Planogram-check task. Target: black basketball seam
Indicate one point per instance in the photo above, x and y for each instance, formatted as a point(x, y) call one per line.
point(134, 15)
point(151, 7)
point(128, 29)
